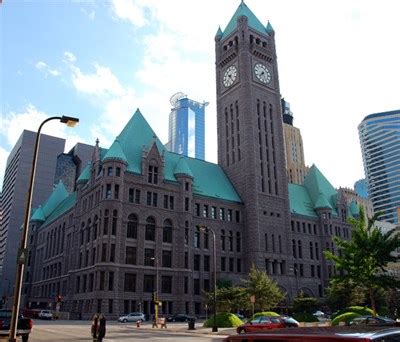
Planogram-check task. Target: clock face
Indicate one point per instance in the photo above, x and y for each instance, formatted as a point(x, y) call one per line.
point(262, 73)
point(230, 76)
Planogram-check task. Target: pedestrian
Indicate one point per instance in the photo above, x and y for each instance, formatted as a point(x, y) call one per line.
point(95, 325)
point(101, 330)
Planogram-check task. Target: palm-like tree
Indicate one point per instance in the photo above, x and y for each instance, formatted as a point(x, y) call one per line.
point(364, 258)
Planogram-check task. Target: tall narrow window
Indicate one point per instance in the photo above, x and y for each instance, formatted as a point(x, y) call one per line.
point(150, 232)
point(167, 231)
point(131, 229)
point(114, 223)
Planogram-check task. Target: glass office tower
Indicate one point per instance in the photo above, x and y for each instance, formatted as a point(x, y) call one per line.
point(380, 146)
point(187, 127)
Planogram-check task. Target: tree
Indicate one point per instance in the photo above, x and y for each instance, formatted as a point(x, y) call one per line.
point(267, 293)
point(343, 294)
point(363, 259)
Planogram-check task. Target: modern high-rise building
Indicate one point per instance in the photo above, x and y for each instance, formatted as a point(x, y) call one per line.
point(361, 188)
point(186, 132)
point(14, 195)
point(294, 152)
point(380, 146)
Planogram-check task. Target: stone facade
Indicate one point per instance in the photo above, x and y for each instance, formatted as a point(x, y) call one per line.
point(132, 230)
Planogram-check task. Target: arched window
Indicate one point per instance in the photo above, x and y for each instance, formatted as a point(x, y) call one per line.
point(167, 231)
point(131, 229)
point(150, 232)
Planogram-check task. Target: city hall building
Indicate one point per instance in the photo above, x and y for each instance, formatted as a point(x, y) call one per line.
point(133, 226)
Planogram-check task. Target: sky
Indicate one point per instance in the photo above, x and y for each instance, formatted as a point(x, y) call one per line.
point(101, 60)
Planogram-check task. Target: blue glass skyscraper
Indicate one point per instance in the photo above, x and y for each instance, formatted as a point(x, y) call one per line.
point(186, 132)
point(380, 146)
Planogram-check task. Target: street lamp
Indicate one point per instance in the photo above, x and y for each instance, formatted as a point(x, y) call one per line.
point(22, 252)
point(205, 228)
point(156, 297)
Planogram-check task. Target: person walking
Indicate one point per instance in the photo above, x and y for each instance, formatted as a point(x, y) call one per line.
point(101, 330)
point(95, 325)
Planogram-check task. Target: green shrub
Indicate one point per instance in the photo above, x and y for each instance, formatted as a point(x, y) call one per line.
point(224, 320)
point(346, 317)
point(263, 313)
point(361, 310)
point(305, 304)
point(305, 317)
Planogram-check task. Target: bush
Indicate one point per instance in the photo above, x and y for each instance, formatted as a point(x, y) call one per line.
point(305, 317)
point(224, 320)
point(264, 313)
point(346, 317)
point(305, 304)
point(361, 310)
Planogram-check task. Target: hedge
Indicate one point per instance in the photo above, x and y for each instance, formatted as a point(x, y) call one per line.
point(224, 320)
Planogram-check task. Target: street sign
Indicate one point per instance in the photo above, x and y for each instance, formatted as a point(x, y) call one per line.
point(253, 299)
point(21, 256)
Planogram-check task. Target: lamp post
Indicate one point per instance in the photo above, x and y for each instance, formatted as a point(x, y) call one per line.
point(22, 252)
point(204, 228)
point(156, 297)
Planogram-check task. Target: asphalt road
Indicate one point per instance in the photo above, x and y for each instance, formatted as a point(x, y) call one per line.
point(68, 331)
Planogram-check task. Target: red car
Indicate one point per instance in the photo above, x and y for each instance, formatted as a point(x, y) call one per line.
point(261, 323)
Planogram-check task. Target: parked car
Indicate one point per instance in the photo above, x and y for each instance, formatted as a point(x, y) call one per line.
point(261, 323)
point(45, 314)
point(290, 322)
point(180, 318)
point(24, 325)
point(329, 334)
point(373, 320)
point(132, 317)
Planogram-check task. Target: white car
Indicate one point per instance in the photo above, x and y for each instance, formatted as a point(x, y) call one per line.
point(132, 317)
point(45, 314)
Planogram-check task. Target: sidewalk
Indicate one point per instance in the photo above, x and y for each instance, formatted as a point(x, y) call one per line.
point(183, 328)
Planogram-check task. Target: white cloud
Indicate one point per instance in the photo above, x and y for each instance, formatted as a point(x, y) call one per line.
point(69, 57)
point(101, 83)
point(129, 10)
point(42, 66)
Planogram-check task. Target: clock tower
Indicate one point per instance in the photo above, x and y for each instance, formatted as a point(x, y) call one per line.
point(250, 136)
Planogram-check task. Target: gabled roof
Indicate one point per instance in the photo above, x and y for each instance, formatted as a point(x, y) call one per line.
point(322, 202)
point(85, 174)
point(316, 184)
point(57, 196)
point(315, 193)
point(38, 215)
point(300, 201)
point(58, 203)
point(253, 21)
point(115, 152)
point(219, 32)
point(67, 204)
point(269, 28)
point(182, 168)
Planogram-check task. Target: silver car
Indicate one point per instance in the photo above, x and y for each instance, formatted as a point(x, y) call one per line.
point(132, 317)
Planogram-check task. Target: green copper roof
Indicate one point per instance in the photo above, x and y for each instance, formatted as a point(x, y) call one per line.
point(38, 215)
point(269, 28)
point(115, 152)
point(85, 175)
point(67, 204)
point(317, 184)
point(322, 202)
point(137, 134)
point(300, 201)
point(219, 32)
point(353, 209)
point(253, 22)
point(315, 193)
point(57, 196)
point(182, 168)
